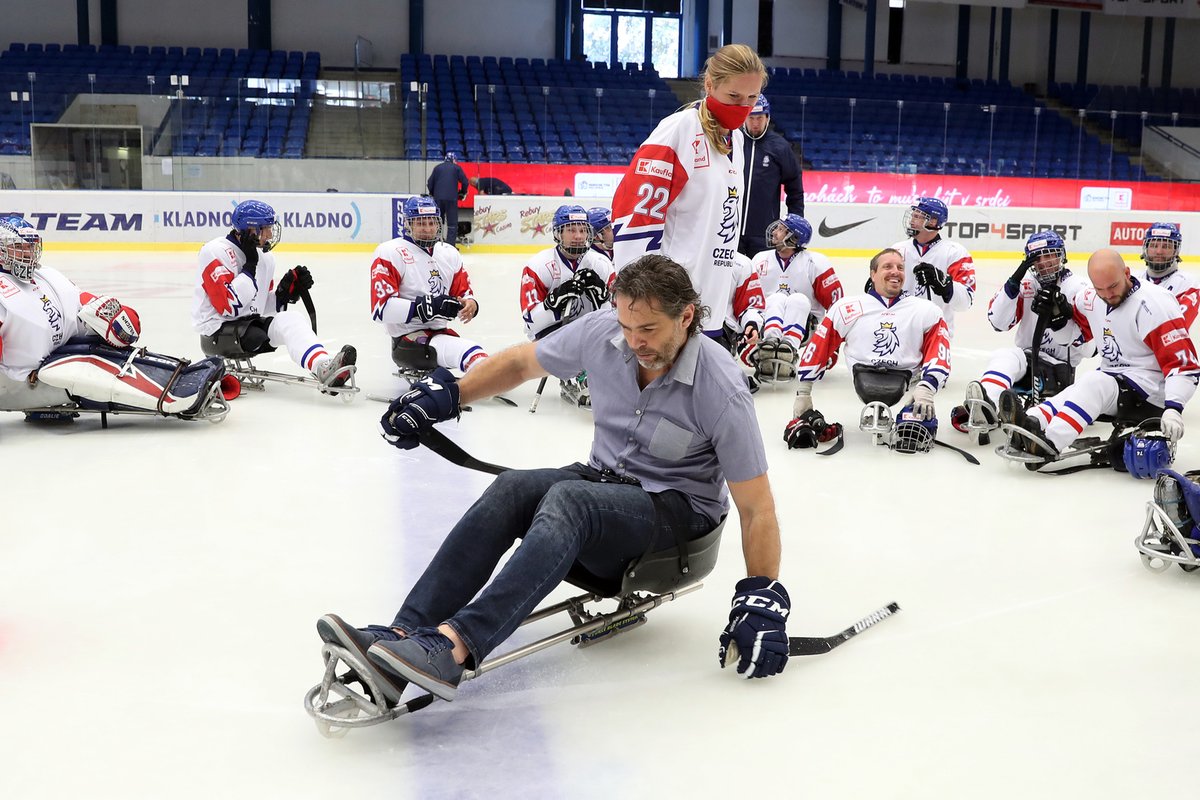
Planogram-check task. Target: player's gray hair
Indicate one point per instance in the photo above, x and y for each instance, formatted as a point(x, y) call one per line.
point(658, 279)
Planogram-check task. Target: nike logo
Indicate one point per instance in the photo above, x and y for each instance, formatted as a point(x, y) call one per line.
point(825, 230)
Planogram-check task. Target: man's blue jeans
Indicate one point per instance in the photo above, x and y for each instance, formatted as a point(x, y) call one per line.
point(561, 517)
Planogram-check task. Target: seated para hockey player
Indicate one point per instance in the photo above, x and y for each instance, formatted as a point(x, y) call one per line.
point(562, 283)
point(1160, 251)
point(1148, 365)
point(937, 269)
point(240, 312)
point(744, 319)
point(1169, 534)
point(602, 231)
point(52, 364)
point(798, 286)
point(418, 287)
point(894, 342)
point(675, 436)
point(1039, 292)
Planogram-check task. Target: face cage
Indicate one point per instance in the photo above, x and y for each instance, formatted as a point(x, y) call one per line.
point(22, 256)
point(574, 250)
point(910, 227)
point(412, 231)
point(1048, 276)
point(276, 236)
point(1160, 266)
point(1161, 544)
point(911, 437)
point(789, 241)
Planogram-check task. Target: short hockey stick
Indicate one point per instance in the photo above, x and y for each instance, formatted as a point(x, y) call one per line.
point(436, 441)
point(537, 396)
point(815, 645)
point(306, 298)
point(970, 458)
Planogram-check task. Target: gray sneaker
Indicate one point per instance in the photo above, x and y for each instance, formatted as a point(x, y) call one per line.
point(334, 630)
point(424, 658)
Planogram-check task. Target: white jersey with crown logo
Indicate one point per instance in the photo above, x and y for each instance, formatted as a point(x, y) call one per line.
point(544, 273)
point(35, 318)
point(403, 272)
point(1183, 286)
point(807, 272)
point(951, 258)
point(1065, 346)
point(223, 292)
point(682, 198)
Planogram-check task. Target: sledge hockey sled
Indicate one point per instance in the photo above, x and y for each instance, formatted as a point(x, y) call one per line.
point(1085, 450)
point(238, 364)
point(650, 581)
point(130, 381)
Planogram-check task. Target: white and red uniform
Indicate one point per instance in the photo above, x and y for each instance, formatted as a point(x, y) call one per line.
point(224, 293)
point(907, 333)
point(402, 272)
point(682, 198)
point(1066, 346)
point(1183, 287)
point(951, 258)
point(793, 288)
point(746, 305)
point(1144, 345)
point(544, 273)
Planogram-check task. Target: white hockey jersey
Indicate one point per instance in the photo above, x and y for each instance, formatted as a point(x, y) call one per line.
point(806, 272)
point(403, 272)
point(1183, 286)
point(907, 333)
point(544, 273)
point(1143, 341)
point(682, 198)
point(223, 292)
point(1066, 346)
point(746, 303)
point(35, 318)
point(951, 258)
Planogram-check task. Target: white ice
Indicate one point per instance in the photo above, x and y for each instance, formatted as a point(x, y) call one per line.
point(160, 581)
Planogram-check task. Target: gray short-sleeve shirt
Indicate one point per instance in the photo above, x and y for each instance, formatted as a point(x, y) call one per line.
point(689, 430)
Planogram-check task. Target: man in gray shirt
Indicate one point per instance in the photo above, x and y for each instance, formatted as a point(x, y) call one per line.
point(675, 435)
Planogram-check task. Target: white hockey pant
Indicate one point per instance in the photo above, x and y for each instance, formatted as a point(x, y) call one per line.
point(18, 395)
point(292, 329)
point(1064, 416)
point(786, 316)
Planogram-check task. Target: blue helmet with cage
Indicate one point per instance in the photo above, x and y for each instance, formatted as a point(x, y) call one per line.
point(763, 106)
point(250, 217)
point(912, 433)
point(571, 218)
point(419, 211)
point(20, 248)
point(927, 214)
point(1145, 454)
point(600, 218)
point(1045, 243)
point(1161, 262)
point(1169, 534)
point(793, 232)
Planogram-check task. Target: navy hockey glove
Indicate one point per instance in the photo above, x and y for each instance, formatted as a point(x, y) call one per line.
point(934, 279)
point(560, 300)
point(757, 635)
point(294, 282)
point(247, 240)
point(435, 306)
point(594, 288)
point(431, 400)
point(1012, 286)
point(1051, 303)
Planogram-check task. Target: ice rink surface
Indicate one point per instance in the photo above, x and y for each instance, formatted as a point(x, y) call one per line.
point(160, 581)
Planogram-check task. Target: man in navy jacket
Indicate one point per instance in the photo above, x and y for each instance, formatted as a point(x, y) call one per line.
point(769, 164)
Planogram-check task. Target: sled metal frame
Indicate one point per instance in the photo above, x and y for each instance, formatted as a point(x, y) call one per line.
point(255, 379)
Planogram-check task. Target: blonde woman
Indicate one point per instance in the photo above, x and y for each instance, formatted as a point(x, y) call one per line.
point(682, 193)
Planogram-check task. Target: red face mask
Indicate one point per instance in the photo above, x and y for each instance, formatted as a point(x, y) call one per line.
point(729, 117)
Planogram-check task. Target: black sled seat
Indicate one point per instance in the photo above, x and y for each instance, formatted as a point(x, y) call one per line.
point(656, 578)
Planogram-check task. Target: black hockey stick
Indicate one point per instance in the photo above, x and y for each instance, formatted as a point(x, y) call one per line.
point(306, 298)
point(1035, 358)
point(970, 458)
point(537, 396)
point(815, 645)
point(436, 441)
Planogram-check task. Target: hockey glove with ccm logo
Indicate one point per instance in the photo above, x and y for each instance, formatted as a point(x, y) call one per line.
point(934, 279)
point(431, 400)
point(435, 306)
point(757, 632)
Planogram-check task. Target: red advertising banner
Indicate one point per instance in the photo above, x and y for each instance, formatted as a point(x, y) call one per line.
point(888, 189)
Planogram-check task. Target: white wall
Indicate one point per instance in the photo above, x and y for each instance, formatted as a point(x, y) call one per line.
point(510, 28)
point(331, 28)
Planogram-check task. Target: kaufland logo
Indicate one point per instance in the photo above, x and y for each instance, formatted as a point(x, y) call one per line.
point(652, 166)
point(1129, 233)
